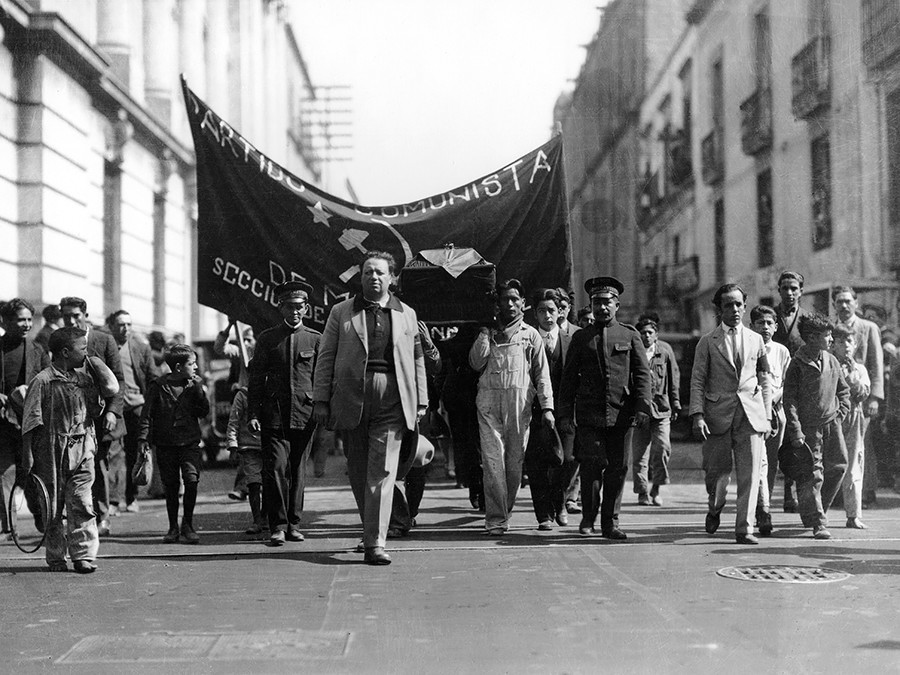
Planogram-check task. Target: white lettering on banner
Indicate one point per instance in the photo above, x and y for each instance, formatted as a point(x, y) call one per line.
point(465, 195)
point(233, 275)
point(227, 135)
point(412, 208)
point(278, 275)
point(274, 166)
point(540, 162)
point(494, 180)
point(512, 167)
point(209, 122)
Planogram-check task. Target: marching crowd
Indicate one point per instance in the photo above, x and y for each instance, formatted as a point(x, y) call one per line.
point(567, 405)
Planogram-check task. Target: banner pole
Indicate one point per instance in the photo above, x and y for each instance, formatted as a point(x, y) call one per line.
point(242, 348)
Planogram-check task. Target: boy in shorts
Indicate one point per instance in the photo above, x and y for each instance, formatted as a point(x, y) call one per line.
point(240, 439)
point(170, 421)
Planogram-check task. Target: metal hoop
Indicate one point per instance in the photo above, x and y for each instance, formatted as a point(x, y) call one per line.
point(44, 498)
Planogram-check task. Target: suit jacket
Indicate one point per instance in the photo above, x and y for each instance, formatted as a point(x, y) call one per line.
point(142, 364)
point(340, 374)
point(717, 388)
point(281, 377)
point(606, 378)
point(789, 335)
point(104, 346)
point(36, 359)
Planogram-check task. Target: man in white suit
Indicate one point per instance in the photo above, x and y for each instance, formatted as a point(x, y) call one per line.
point(370, 385)
point(731, 409)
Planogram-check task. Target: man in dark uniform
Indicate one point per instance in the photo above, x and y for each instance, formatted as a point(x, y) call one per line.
point(102, 345)
point(787, 315)
point(280, 405)
point(605, 389)
point(21, 358)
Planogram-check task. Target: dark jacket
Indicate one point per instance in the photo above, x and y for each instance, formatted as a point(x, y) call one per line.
point(606, 377)
point(281, 377)
point(665, 378)
point(813, 396)
point(172, 418)
point(104, 346)
point(787, 335)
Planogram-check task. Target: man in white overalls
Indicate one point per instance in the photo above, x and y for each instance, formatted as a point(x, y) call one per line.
point(513, 366)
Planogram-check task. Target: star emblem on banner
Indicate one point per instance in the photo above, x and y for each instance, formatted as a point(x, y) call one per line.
point(319, 214)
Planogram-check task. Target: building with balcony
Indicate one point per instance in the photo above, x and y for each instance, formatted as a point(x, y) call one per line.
point(601, 136)
point(96, 161)
point(793, 118)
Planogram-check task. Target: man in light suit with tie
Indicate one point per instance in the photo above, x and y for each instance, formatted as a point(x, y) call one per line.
point(731, 409)
point(370, 385)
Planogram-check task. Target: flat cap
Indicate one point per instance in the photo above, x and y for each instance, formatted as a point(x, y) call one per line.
point(291, 290)
point(604, 287)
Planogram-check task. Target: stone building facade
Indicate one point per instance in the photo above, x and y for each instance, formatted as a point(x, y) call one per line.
point(96, 163)
point(770, 140)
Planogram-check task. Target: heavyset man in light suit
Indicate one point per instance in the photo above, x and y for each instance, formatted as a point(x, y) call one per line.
point(370, 385)
point(731, 409)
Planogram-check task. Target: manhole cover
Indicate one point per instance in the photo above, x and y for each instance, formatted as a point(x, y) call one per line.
point(783, 574)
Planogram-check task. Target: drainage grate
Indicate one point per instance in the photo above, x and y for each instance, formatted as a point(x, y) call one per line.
point(783, 574)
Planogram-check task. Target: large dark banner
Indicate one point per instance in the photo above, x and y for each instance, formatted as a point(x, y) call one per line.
point(259, 225)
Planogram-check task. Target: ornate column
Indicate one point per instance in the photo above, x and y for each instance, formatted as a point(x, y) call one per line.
point(164, 170)
point(159, 57)
point(118, 133)
point(114, 37)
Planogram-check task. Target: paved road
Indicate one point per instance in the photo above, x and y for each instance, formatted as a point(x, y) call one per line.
point(457, 601)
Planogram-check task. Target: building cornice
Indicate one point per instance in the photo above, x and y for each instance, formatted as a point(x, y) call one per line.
point(47, 33)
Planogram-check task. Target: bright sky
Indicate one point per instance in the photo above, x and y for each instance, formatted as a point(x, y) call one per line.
point(444, 91)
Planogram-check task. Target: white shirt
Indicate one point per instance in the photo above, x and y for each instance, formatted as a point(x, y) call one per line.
point(778, 358)
point(734, 339)
point(550, 337)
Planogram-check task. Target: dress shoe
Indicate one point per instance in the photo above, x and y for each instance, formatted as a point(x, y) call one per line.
point(643, 499)
point(655, 500)
point(277, 538)
point(84, 566)
point(495, 532)
point(293, 534)
point(821, 532)
point(615, 533)
point(132, 507)
point(746, 539)
point(572, 507)
point(764, 523)
point(790, 506)
point(856, 524)
point(376, 556)
point(103, 528)
point(397, 533)
point(237, 495)
point(545, 525)
point(360, 547)
point(562, 518)
point(188, 533)
point(171, 537)
point(113, 510)
point(586, 530)
point(58, 567)
point(712, 523)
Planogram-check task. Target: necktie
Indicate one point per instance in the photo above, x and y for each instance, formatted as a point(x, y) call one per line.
point(735, 350)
